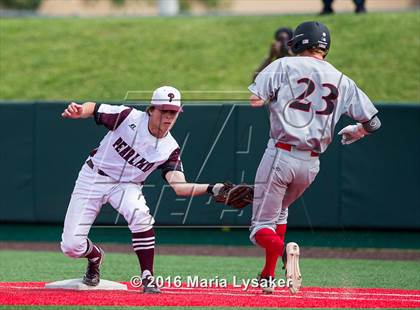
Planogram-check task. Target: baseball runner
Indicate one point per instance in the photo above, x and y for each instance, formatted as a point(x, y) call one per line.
point(137, 144)
point(306, 97)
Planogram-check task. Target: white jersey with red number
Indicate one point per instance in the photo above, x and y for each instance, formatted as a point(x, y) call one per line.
point(307, 97)
point(129, 152)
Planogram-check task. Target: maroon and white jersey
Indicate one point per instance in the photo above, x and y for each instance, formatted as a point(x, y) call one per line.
point(129, 152)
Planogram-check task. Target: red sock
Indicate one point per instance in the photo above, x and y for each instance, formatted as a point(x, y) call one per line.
point(281, 231)
point(273, 246)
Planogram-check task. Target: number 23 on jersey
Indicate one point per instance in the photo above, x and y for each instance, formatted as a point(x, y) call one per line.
point(303, 104)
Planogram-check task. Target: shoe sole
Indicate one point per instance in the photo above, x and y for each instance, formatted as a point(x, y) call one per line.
point(265, 290)
point(100, 264)
point(152, 292)
point(85, 282)
point(293, 275)
point(268, 290)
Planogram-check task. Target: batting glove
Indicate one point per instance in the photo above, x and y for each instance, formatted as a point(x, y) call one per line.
point(352, 133)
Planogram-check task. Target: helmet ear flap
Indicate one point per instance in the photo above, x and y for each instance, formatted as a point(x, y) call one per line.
point(297, 47)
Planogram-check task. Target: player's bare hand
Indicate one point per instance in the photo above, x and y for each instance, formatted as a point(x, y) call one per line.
point(256, 101)
point(73, 110)
point(351, 134)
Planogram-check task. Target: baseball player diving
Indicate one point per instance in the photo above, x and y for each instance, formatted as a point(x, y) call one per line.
point(306, 97)
point(136, 144)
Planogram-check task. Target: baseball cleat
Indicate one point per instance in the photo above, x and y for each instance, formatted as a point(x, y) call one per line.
point(149, 283)
point(267, 284)
point(293, 276)
point(92, 275)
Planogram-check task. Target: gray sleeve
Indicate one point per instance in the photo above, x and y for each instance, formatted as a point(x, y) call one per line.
point(267, 81)
point(358, 105)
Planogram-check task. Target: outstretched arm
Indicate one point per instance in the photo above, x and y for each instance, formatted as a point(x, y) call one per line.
point(179, 184)
point(75, 110)
point(236, 196)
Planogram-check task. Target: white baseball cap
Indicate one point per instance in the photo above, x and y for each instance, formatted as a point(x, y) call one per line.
point(167, 98)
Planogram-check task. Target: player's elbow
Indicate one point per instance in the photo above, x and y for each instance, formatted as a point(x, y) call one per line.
point(372, 125)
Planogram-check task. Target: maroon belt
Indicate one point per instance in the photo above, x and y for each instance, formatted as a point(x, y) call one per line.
point(288, 147)
point(91, 165)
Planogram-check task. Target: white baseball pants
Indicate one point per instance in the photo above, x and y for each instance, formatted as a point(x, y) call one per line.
point(90, 193)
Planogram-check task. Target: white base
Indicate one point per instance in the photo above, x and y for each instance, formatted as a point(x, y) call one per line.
point(77, 284)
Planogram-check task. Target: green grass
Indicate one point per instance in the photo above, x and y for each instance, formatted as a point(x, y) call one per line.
point(50, 266)
point(101, 59)
point(126, 308)
point(137, 308)
point(145, 308)
point(222, 236)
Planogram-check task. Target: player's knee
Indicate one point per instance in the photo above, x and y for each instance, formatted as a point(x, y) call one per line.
point(73, 247)
point(255, 228)
point(266, 237)
point(277, 246)
point(272, 243)
point(141, 221)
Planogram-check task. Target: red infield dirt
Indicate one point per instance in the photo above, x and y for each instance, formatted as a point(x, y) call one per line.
point(33, 293)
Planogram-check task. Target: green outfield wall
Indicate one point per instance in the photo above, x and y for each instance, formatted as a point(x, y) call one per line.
point(374, 183)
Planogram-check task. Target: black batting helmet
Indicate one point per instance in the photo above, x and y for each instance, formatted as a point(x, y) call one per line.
point(310, 35)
